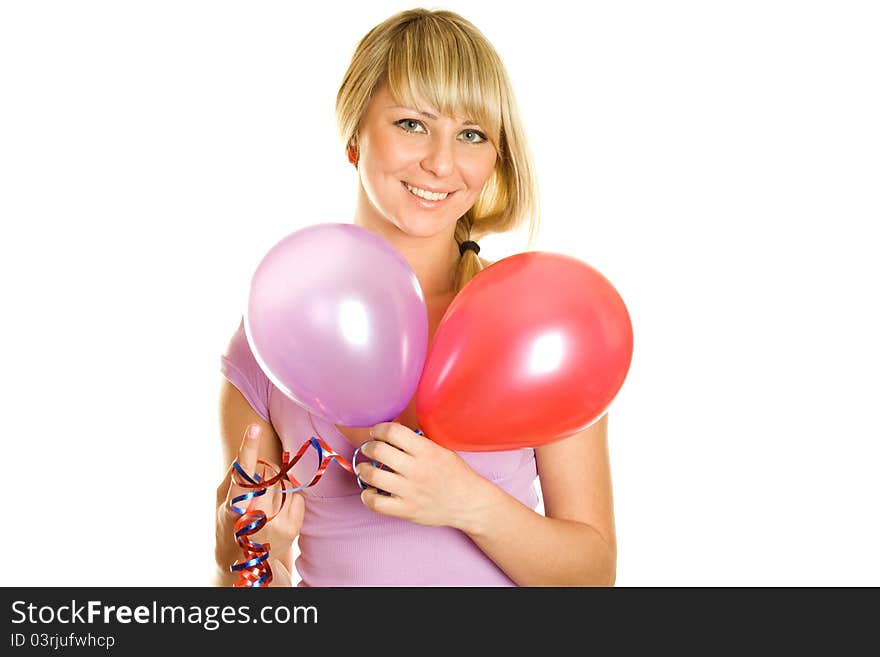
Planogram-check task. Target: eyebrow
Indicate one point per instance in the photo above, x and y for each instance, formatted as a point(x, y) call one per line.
point(429, 115)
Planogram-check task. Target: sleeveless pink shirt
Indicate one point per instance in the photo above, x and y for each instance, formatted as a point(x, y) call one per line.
point(342, 542)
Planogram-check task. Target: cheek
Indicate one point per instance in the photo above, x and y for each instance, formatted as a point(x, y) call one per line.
point(479, 173)
point(390, 152)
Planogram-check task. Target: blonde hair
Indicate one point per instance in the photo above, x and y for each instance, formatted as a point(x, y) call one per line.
point(440, 58)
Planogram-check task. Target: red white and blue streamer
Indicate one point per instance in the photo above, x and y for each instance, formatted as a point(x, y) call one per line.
point(254, 569)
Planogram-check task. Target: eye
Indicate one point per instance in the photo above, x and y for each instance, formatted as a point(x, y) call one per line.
point(476, 133)
point(404, 123)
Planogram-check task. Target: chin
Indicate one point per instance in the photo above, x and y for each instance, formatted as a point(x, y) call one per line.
point(415, 227)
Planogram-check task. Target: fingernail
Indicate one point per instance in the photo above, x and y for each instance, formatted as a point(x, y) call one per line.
point(253, 431)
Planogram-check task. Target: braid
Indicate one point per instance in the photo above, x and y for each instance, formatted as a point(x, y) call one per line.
point(469, 264)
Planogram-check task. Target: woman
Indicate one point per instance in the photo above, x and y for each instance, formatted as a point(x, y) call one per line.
point(431, 126)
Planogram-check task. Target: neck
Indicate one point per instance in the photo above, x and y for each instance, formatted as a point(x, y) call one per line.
point(433, 259)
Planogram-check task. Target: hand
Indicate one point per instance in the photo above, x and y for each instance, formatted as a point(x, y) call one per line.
point(279, 532)
point(280, 574)
point(428, 484)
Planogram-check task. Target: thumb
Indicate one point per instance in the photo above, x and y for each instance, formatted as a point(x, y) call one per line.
point(249, 452)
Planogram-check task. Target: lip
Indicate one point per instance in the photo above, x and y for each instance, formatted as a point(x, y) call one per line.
point(424, 203)
point(433, 190)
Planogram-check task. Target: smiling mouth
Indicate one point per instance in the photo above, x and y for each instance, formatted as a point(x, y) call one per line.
point(425, 195)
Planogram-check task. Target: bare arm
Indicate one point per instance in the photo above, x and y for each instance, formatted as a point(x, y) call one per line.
point(575, 544)
point(236, 415)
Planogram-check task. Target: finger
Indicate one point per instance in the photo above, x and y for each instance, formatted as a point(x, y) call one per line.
point(388, 506)
point(280, 574)
point(388, 455)
point(295, 510)
point(385, 480)
point(270, 501)
point(289, 518)
point(248, 454)
point(398, 435)
point(223, 488)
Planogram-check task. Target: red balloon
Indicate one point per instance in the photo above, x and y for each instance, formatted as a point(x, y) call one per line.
point(532, 350)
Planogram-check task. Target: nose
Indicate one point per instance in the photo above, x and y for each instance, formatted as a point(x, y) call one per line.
point(439, 158)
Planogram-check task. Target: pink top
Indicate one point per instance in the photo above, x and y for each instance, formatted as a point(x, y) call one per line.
point(342, 542)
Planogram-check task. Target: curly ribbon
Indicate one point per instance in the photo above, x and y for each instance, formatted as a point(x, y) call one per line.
point(375, 464)
point(254, 569)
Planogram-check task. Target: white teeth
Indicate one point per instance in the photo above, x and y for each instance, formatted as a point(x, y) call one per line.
point(428, 196)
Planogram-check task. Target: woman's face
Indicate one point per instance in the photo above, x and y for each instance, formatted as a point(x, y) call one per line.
point(402, 148)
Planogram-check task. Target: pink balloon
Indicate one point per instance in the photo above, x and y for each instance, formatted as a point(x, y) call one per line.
point(337, 320)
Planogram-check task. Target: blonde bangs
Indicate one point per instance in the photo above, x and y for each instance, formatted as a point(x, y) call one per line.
point(448, 71)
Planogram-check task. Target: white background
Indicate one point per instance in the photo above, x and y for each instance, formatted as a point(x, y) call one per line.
point(719, 162)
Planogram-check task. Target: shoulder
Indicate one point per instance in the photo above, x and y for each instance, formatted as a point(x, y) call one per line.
point(485, 262)
point(240, 367)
